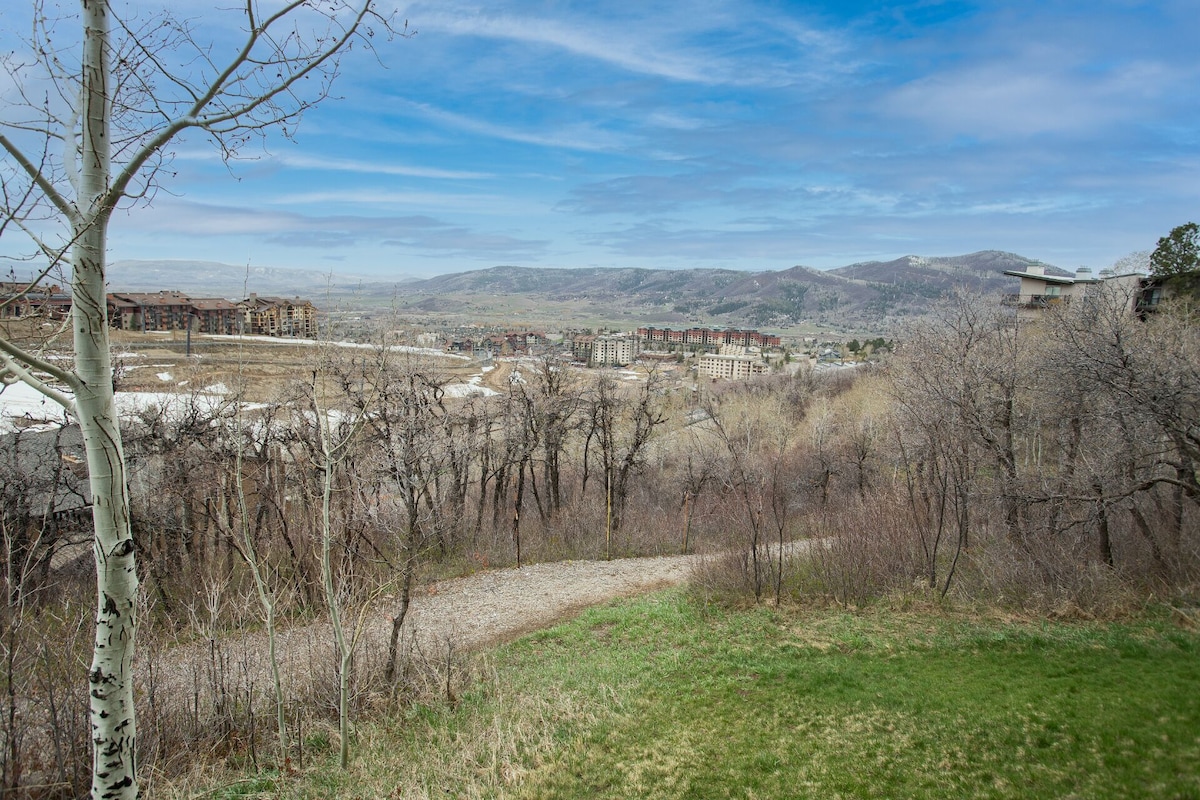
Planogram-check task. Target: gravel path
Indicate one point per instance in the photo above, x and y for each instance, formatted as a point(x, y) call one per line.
point(503, 604)
point(465, 613)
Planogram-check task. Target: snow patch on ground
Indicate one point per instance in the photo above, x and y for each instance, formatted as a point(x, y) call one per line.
point(468, 389)
point(396, 348)
point(22, 406)
point(129, 403)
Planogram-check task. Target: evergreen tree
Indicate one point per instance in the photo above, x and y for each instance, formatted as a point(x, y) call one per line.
point(1177, 254)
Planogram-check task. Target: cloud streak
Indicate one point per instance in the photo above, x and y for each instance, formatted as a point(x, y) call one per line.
point(425, 234)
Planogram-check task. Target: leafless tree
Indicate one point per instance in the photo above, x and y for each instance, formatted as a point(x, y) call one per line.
point(758, 471)
point(1131, 436)
point(557, 402)
point(621, 426)
point(959, 382)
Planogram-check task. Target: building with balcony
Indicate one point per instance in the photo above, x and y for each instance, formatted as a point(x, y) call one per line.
point(215, 315)
point(279, 316)
point(148, 311)
point(1038, 291)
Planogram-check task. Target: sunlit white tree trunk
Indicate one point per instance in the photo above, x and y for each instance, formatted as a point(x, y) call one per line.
point(110, 678)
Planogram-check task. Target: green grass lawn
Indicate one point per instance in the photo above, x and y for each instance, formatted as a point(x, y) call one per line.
point(657, 698)
point(765, 704)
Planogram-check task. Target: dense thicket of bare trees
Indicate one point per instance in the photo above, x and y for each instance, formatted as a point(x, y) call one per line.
point(1070, 440)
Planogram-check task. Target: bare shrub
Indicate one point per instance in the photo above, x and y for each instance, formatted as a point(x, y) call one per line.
point(863, 551)
point(44, 733)
point(1049, 580)
point(727, 578)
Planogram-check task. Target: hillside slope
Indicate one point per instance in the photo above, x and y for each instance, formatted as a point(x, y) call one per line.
point(866, 294)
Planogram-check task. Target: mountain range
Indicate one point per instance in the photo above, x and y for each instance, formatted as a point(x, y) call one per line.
point(215, 279)
point(870, 293)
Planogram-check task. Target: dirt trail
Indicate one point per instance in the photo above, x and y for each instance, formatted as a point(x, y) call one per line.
point(467, 613)
point(499, 377)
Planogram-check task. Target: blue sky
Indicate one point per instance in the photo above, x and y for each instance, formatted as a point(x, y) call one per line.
point(747, 135)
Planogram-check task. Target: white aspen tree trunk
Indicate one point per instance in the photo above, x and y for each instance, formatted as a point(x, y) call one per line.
point(111, 676)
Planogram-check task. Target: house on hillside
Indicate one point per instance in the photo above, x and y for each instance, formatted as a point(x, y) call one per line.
point(279, 316)
point(1039, 291)
point(1154, 291)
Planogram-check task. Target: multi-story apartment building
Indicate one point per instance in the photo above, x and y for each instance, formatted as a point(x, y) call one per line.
point(18, 299)
point(616, 350)
point(216, 315)
point(279, 316)
point(709, 337)
point(732, 363)
point(149, 311)
point(168, 311)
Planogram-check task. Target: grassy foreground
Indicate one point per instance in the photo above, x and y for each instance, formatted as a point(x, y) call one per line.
point(658, 698)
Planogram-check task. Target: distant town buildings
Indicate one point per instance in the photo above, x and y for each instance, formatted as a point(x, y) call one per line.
point(509, 343)
point(18, 300)
point(709, 337)
point(171, 311)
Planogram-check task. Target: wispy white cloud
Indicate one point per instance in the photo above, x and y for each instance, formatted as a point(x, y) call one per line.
point(585, 136)
point(375, 167)
point(1003, 100)
point(625, 49)
point(386, 198)
point(721, 43)
point(417, 232)
point(565, 131)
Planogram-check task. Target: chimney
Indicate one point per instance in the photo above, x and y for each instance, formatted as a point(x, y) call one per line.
point(1083, 275)
point(1036, 269)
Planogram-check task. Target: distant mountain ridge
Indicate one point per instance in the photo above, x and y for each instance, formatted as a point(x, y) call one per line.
point(214, 279)
point(866, 293)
